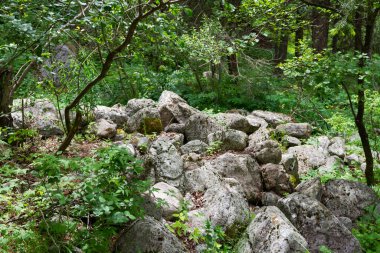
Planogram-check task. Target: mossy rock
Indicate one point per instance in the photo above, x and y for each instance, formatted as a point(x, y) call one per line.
point(151, 125)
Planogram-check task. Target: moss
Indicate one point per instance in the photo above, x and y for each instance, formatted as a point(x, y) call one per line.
point(151, 125)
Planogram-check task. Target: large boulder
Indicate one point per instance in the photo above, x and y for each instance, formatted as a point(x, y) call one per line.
point(273, 118)
point(244, 169)
point(271, 231)
point(348, 198)
point(237, 122)
point(276, 179)
point(174, 109)
point(337, 147)
point(166, 162)
point(199, 126)
point(308, 156)
point(40, 114)
point(267, 152)
point(148, 235)
point(137, 104)
point(230, 139)
point(257, 121)
point(318, 224)
point(105, 129)
point(298, 130)
point(146, 121)
point(168, 198)
point(117, 114)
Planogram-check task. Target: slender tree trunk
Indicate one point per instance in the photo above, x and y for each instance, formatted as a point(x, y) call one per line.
point(233, 66)
point(281, 52)
point(5, 97)
point(298, 38)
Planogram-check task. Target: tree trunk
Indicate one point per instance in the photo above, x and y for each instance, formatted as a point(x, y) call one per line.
point(319, 30)
point(298, 39)
point(233, 67)
point(281, 52)
point(6, 98)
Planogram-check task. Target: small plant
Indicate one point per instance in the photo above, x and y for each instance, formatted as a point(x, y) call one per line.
point(325, 249)
point(214, 147)
point(21, 136)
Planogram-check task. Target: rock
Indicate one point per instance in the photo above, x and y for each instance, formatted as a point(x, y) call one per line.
point(267, 152)
point(290, 141)
point(236, 122)
point(271, 231)
point(135, 105)
point(348, 198)
point(290, 164)
point(174, 109)
point(354, 159)
point(201, 179)
point(224, 206)
point(145, 121)
point(263, 134)
point(195, 146)
point(274, 119)
point(175, 128)
point(318, 224)
point(40, 114)
point(298, 130)
point(276, 179)
point(230, 139)
point(168, 198)
point(269, 199)
point(148, 235)
point(199, 126)
point(117, 114)
point(337, 147)
point(166, 162)
point(311, 188)
point(346, 222)
point(332, 163)
point(105, 129)
point(323, 143)
point(308, 157)
point(129, 147)
point(257, 121)
point(244, 169)
point(172, 138)
point(238, 111)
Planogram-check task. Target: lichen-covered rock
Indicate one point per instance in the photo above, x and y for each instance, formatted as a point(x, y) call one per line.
point(263, 134)
point(274, 119)
point(244, 169)
point(269, 199)
point(290, 164)
point(145, 121)
point(137, 104)
point(168, 198)
point(348, 198)
point(201, 179)
point(195, 146)
point(257, 121)
point(317, 224)
point(298, 130)
point(230, 139)
point(148, 235)
point(271, 231)
point(290, 141)
point(276, 179)
point(174, 109)
point(40, 114)
point(308, 156)
point(105, 129)
point(268, 152)
point(312, 188)
point(117, 114)
point(199, 126)
point(337, 147)
point(237, 122)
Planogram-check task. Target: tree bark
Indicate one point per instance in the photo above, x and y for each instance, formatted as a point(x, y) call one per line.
point(298, 38)
point(280, 52)
point(233, 66)
point(6, 97)
point(319, 30)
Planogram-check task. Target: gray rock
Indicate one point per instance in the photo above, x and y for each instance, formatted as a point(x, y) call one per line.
point(148, 235)
point(237, 122)
point(308, 157)
point(337, 147)
point(311, 188)
point(298, 130)
point(173, 138)
point(195, 146)
point(268, 152)
point(117, 114)
point(273, 118)
point(199, 126)
point(270, 199)
point(348, 198)
point(276, 179)
point(263, 134)
point(166, 162)
point(128, 146)
point(175, 128)
point(135, 105)
point(323, 143)
point(271, 231)
point(40, 114)
point(290, 141)
point(332, 163)
point(346, 222)
point(201, 179)
point(105, 129)
point(168, 198)
point(257, 121)
point(318, 224)
point(354, 159)
point(145, 121)
point(290, 164)
point(244, 169)
point(174, 109)
point(230, 139)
